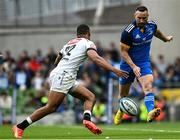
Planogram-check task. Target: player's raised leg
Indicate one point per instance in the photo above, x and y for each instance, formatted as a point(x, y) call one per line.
point(54, 100)
point(80, 92)
point(146, 83)
point(124, 90)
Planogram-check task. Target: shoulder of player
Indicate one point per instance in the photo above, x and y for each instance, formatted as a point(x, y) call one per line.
point(151, 22)
point(84, 40)
point(129, 28)
point(87, 41)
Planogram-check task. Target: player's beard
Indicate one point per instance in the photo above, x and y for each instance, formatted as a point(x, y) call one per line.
point(141, 25)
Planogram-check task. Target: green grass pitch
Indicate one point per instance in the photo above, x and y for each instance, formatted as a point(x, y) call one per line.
point(148, 131)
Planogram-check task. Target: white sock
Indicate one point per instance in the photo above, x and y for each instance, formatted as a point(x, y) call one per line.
point(29, 120)
point(87, 111)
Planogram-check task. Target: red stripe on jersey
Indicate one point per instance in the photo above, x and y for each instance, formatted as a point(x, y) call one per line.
point(74, 41)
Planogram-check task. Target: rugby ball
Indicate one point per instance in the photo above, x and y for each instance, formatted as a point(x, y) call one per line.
point(128, 106)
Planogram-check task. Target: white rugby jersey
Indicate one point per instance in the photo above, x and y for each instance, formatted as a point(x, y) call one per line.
point(74, 53)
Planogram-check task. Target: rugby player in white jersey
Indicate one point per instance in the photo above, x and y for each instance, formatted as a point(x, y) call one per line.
point(63, 79)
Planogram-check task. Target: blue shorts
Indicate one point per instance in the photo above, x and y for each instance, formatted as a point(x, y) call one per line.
point(144, 71)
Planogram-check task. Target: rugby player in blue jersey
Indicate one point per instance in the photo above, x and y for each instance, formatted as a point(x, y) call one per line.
point(135, 47)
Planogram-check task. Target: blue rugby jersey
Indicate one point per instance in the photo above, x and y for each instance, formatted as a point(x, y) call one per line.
point(139, 43)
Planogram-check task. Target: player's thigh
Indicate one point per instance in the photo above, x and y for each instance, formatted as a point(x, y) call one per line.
point(146, 82)
point(55, 98)
point(82, 93)
point(124, 89)
point(130, 79)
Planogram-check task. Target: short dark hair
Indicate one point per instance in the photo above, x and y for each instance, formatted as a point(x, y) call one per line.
point(141, 8)
point(83, 29)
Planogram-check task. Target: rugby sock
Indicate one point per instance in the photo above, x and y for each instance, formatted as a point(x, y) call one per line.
point(149, 101)
point(25, 123)
point(87, 115)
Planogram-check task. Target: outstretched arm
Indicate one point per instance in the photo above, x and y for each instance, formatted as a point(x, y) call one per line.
point(162, 37)
point(98, 60)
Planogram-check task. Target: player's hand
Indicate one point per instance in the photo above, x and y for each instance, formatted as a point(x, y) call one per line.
point(136, 71)
point(120, 73)
point(169, 38)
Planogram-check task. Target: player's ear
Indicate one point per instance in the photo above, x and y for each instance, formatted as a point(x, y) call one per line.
point(88, 35)
point(147, 15)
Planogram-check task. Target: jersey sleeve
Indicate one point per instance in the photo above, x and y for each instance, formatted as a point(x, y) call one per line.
point(154, 25)
point(90, 46)
point(155, 28)
point(126, 38)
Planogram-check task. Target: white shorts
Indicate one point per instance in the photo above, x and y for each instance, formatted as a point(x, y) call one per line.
point(62, 82)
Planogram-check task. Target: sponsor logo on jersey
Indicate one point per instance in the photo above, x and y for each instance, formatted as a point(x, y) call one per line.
point(137, 36)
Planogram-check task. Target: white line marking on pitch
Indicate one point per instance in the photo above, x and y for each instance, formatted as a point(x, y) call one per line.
point(126, 129)
point(145, 130)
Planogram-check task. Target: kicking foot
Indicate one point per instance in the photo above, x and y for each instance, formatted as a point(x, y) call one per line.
point(153, 114)
point(92, 127)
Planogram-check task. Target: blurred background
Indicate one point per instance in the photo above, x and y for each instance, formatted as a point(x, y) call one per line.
point(33, 31)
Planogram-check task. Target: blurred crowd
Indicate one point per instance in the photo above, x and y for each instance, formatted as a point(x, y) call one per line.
point(28, 73)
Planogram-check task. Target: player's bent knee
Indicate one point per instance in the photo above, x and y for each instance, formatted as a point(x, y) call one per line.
point(93, 97)
point(147, 87)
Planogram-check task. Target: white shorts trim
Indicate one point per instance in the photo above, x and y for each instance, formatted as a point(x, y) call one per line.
point(76, 84)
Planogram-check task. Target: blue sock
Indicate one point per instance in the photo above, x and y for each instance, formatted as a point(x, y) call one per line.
point(149, 101)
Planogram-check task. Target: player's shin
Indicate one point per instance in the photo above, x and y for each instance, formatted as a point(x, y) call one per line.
point(149, 101)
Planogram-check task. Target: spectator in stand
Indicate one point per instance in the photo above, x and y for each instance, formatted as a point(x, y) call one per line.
point(39, 56)
point(5, 107)
point(99, 111)
point(177, 68)
point(4, 83)
point(9, 61)
point(24, 56)
point(169, 78)
point(100, 49)
point(5, 100)
point(157, 78)
point(8, 56)
point(37, 81)
point(114, 53)
point(34, 65)
point(161, 64)
point(21, 78)
point(51, 55)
